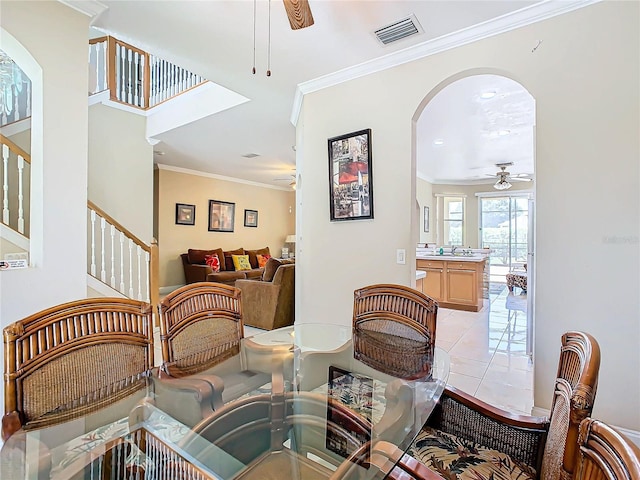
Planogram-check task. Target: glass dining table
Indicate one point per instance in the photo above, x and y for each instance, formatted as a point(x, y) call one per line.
point(292, 403)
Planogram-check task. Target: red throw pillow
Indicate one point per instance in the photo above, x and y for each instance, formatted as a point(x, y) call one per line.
point(262, 260)
point(213, 261)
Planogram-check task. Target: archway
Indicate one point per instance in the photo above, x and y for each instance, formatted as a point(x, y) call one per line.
point(464, 131)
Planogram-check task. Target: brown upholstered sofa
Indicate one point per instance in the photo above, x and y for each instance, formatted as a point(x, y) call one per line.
point(270, 304)
point(196, 269)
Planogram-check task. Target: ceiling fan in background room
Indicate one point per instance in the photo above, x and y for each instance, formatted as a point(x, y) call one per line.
point(291, 179)
point(504, 177)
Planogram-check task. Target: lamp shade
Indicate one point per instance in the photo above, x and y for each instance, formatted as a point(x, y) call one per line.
point(290, 239)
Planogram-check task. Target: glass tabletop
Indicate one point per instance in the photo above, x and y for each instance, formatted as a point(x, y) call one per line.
point(291, 403)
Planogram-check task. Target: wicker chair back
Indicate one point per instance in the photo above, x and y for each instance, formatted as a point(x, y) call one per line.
point(75, 358)
point(200, 326)
point(394, 330)
point(604, 454)
point(574, 395)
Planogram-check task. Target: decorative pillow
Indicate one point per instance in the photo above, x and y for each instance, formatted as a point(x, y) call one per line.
point(241, 262)
point(228, 260)
point(253, 255)
point(196, 257)
point(270, 269)
point(213, 261)
point(262, 260)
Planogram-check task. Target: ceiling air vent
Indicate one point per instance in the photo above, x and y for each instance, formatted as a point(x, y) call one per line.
point(398, 30)
point(250, 155)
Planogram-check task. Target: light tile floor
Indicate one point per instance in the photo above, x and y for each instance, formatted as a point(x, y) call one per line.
point(488, 351)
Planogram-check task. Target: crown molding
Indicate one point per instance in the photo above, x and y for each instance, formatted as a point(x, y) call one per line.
point(198, 173)
point(90, 8)
point(505, 23)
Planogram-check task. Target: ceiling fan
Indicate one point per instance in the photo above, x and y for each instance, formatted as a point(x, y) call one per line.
point(504, 177)
point(291, 179)
point(299, 13)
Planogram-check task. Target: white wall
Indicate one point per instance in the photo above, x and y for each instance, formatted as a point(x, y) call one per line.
point(121, 168)
point(58, 154)
point(585, 79)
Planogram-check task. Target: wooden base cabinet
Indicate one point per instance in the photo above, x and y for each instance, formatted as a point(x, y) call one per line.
point(453, 284)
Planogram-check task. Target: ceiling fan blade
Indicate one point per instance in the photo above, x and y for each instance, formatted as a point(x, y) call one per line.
point(299, 13)
point(519, 179)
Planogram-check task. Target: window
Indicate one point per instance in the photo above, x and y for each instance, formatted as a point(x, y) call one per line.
point(453, 220)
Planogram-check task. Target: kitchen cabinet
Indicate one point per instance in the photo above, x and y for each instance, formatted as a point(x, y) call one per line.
point(455, 284)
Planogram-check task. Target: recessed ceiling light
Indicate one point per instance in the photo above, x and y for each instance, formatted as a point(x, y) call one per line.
point(438, 141)
point(488, 94)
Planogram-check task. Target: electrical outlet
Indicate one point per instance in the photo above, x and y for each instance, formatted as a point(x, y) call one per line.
point(400, 256)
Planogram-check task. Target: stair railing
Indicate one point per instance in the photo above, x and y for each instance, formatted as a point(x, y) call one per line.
point(16, 174)
point(133, 76)
point(119, 259)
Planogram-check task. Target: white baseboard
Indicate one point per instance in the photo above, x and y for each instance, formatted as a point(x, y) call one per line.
point(169, 289)
point(632, 435)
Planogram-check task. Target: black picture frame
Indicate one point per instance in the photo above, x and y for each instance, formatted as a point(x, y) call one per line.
point(426, 219)
point(250, 218)
point(221, 216)
point(185, 214)
point(351, 176)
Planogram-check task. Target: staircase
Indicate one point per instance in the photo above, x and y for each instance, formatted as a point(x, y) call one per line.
point(118, 263)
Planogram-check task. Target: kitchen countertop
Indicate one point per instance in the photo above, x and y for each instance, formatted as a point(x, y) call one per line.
point(457, 258)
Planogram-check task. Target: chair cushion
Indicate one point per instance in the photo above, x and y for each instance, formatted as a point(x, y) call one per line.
point(455, 458)
point(253, 256)
point(270, 269)
point(228, 258)
point(241, 262)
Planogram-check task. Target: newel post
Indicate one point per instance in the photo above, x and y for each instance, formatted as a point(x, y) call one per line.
point(154, 279)
point(111, 67)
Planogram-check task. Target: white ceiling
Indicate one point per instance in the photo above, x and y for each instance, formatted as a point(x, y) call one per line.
point(215, 40)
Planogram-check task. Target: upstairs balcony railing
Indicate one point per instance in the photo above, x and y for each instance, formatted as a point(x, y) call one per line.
point(133, 76)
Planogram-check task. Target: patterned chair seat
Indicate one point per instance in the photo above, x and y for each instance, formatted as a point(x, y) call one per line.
point(517, 280)
point(454, 458)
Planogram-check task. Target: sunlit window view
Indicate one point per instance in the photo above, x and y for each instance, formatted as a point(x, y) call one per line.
point(453, 220)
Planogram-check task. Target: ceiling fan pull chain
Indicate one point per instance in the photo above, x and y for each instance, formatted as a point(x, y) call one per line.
point(254, 36)
point(269, 47)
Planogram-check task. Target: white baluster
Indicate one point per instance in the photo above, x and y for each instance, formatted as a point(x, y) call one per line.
point(5, 185)
point(130, 82)
point(162, 81)
point(103, 272)
point(113, 257)
point(136, 60)
point(93, 243)
point(20, 195)
point(118, 73)
point(147, 262)
point(123, 74)
point(152, 81)
point(130, 268)
point(142, 83)
point(122, 287)
point(29, 98)
point(139, 254)
point(183, 79)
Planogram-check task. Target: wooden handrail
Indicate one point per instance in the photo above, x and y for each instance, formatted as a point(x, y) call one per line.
point(93, 41)
point(15, 148)
point(113, 222)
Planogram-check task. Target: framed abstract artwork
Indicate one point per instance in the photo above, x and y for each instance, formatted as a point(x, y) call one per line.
point(221, 216)
point(185, 214)
point(350, 176)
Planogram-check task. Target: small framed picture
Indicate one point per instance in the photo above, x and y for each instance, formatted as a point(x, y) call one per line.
point(426, 219)
point(250, 218)
point(221, 216)
point(185, 214)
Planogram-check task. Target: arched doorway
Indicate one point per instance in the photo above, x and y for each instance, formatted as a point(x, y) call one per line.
point(467, 131)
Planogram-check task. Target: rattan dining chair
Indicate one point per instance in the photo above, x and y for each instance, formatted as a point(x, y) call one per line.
point(73, 359)
point(605, 454)
point(467, 438)
point(394, 330)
